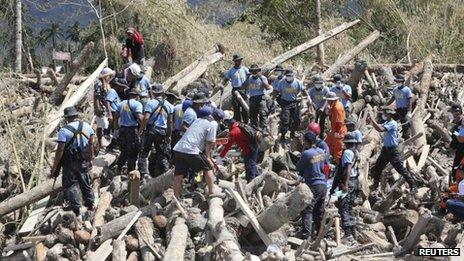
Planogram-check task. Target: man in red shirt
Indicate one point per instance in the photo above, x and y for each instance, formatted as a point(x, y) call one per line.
point(250, 149)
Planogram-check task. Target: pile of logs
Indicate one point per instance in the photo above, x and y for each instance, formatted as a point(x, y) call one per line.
point(260, 220)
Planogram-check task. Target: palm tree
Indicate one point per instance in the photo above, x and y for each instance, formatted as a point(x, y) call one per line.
point(73, 31)
point(53, 33)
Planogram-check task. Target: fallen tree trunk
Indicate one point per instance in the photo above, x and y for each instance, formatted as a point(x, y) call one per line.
point(55, 117)
point(373, 137)
point(57, 95)
point(426, 80)
point(144, 230)
point(99, 217)
point(285, 209)
point(307, 45)
point(226, 247)
point(351, 54)
point(155, 186)
point(178, 243)
point(195, 69)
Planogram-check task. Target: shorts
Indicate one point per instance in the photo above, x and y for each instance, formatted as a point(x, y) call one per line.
point(184, 163)
point(102, 122)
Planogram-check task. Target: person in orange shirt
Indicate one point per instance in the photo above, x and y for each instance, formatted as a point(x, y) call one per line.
point(337, 125)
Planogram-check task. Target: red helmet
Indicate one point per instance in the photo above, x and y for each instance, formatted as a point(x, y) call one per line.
point(314, 127)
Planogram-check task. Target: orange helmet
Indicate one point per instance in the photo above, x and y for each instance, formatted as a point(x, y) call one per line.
point(314, 127)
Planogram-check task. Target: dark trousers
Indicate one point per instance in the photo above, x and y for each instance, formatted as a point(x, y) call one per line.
point(129, 145)
point(289, 116)
point(251, 168)
point(75, 174)
point(458, 155)
point(391, 155)
point(456, 206)
point(258, 112)
point(320, 119)
point(240, 114)
point(315, 211)
point(401, 116)
point(345, 205)
point(176, 135)
point(161, 153)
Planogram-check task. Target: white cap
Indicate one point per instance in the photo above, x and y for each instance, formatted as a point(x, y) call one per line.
point(105, 72)
point(135, 70)
point(228, 115)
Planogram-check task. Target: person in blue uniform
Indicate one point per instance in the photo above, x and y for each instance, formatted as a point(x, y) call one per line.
point(257, 84)
point(74, 155)
point(237, 76)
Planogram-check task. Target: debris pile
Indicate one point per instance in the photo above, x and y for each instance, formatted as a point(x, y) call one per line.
point(259, 220)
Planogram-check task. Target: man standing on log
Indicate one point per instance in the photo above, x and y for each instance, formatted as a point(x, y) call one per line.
point(289, 89)
point(404, 99)
point(337, 126)
point(346, 179)
point(237, 76)
point(74, 154)
point(317, 95)
point(343, 91)
point(256, 84)
point(157, 130)
point(249, 148)
point(128, 117)
point(133, 50)
point(193, 151)
point(310, 168)
point(457, 145)
point(389, 152)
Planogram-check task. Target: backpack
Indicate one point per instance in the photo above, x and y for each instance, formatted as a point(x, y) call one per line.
point(254, 134)
point(138, 38)
point(75, 154)
point(156, 129)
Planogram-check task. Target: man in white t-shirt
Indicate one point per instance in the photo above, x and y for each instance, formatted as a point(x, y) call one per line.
point(456, 204)
point(193, 151)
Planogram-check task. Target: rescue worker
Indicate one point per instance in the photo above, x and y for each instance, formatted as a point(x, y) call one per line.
point(74, 155)
point(317, 94)
point(133, 50)
point(128, 118)
point(137, 80)
point(456, 118)
point(343, 91)
point(389, 152)
point(310, 168)
point(157, 131)
point(189, 115)
point(337, 126)
point(278, 75)
point(193, 151)
point(288, 89)
point(404, 100)
point(256, 84)
point(174, 98)
point(237, 76)
point(455, 204)
point(249, 148)
point(320, 143)
point(105, 100)
point(346, 180)
point(352, 128)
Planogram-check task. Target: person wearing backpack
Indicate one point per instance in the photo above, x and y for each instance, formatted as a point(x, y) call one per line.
point(248, 146)
point(311, 169)
point(133, 50)
point(136, 79)
point(127, 120)
point(346, 180)
point(105, 99)
point(256, 84)
point(157, 126)
point(74, 155)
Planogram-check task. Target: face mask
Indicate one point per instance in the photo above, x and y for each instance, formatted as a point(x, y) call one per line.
point(339, 85)
point(318, 86)
point(384, 117)
point(289, 78)
point(450, 117)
